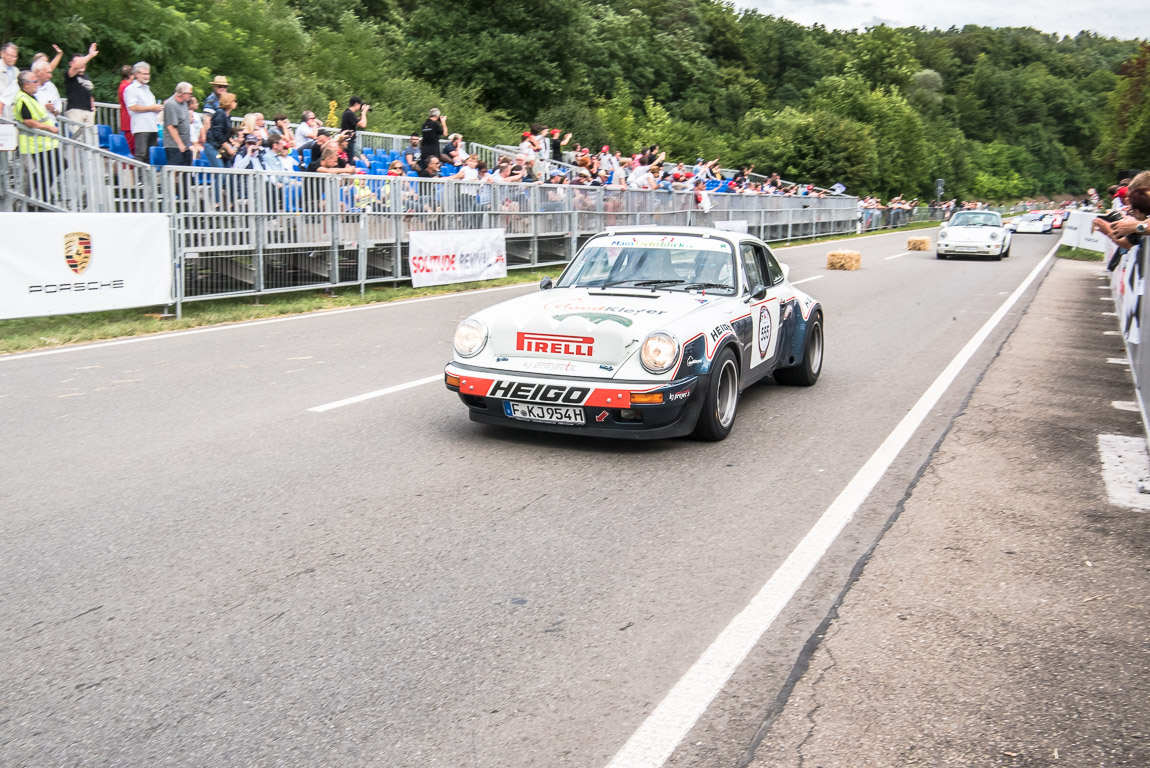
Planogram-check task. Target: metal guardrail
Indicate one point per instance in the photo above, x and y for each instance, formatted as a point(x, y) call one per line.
point(246, 233)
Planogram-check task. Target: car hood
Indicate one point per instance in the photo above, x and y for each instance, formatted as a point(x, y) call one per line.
point(578, 331)
point(971, 234)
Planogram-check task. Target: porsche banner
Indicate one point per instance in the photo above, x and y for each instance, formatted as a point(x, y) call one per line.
point(457, 256)
point(64, 263)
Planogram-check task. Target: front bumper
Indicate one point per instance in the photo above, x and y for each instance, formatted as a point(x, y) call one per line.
point(971, 249)
point(608, 406)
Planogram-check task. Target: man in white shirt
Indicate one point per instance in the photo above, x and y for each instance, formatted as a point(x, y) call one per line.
point(47, 94)
point(143, 110)
point(9, 78)
point(307, 130)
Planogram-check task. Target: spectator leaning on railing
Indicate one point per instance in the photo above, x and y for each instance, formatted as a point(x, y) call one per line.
point(44, 150)
point(1128, 231)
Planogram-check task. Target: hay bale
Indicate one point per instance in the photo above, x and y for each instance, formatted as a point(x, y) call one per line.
point(844, 260)
point(918, 243)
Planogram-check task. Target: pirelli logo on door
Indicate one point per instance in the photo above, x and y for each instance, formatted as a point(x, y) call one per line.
point(78, 251)
point(555, 344)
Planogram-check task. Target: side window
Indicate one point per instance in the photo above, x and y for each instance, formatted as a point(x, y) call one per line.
point(773, 269)
point(752, 266)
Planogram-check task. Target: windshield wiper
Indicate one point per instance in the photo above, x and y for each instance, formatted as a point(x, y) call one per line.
point(658, 282)
point(706, 285)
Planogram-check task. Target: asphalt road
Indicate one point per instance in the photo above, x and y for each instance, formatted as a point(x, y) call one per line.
point(198, 570)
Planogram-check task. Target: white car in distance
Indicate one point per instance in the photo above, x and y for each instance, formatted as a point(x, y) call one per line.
point(974, 233)
point(1034, 223)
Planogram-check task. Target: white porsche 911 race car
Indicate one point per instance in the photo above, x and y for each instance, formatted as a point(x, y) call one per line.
point(649, 332)
point(974, 233)
point(1034, 223)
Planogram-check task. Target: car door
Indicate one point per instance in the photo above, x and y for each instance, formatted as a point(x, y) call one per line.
point(764, 313)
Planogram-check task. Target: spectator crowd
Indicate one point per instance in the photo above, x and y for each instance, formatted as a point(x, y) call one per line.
point(195, 135)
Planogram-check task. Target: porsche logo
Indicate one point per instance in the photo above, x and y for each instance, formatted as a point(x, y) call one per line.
point(78, 251)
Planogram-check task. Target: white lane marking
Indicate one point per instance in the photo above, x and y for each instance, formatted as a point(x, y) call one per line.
point(376, 393)
point(1118, 361)
point(1125, 467)
point(898, 255)
point(1124, 405)
point(665, 727)
point(808, 279)
point(1112, 333)
point(252, 323)
point(1105, 298)
point(1110, 314)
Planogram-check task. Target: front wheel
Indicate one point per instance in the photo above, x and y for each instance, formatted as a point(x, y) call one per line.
point(940, 254)
point(721, 401)
point(806, 373)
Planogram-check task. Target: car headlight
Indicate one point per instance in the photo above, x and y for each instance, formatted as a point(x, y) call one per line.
point(942, 234)
point(660, 352)
point(470, 336)
point(993, 235)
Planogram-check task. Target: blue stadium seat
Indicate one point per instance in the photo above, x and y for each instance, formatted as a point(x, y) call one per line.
point(160, 139)
point(306, 158)
point(379, 168)
point(118, 143)
point(158, 156)
point(448, 170)
point(104, 132)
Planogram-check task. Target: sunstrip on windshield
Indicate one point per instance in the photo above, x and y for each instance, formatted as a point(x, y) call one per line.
point(669, 242)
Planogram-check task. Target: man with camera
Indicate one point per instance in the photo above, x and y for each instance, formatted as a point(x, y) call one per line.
point(354, 119)
point(434, 128)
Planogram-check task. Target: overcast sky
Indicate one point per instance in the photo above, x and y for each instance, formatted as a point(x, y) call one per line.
point(1123, 20)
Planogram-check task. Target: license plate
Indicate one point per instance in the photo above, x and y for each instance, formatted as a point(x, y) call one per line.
point(547, 414)
point(967, 249)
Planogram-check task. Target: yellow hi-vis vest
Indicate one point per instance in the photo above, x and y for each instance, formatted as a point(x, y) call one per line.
point(29, 144)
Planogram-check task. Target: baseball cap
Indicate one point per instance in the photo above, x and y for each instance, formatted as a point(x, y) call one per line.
point(605, 148)
point(251, 138)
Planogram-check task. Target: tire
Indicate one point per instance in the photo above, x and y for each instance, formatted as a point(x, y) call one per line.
point(1006, 253)
point(806, 373)
point(721, 401)
point(940, 255)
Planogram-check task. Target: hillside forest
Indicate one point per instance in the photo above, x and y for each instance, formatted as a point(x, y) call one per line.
point(998, 113)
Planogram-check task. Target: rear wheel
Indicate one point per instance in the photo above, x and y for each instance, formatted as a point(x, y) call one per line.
point(806, 373)
point(722, 399)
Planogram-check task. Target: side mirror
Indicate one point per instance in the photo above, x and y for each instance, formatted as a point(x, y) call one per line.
point(786, 270)
point(546, 284)
point(759, 293)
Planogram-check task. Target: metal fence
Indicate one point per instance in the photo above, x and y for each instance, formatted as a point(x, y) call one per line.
point(245, 232)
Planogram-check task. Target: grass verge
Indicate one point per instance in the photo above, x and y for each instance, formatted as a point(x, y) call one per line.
point(1078, 254)
point(25, 334)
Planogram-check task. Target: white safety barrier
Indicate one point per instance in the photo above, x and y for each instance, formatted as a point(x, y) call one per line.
point(457, 256)
point(1077, 232)
point(64, 263)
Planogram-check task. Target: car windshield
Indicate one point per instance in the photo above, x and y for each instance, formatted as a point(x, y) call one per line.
point(1030, 217)
point(975, 220)
point(658, 262)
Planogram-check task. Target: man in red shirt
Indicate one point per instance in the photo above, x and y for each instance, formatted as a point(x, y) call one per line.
point(125, 115)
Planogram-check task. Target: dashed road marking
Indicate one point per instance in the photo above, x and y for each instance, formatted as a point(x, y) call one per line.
point(376, 393)
point(1125, 405)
